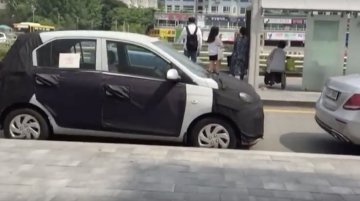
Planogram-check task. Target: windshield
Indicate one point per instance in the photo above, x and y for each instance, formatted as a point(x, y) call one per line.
point(193, 67)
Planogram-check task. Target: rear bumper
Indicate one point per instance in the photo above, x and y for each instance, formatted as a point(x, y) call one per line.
point(343, 125)
point(332, 131)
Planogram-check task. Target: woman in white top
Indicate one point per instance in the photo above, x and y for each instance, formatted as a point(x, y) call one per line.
point(214, 47)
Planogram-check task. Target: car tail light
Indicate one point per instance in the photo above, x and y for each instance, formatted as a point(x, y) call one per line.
point(353, 103)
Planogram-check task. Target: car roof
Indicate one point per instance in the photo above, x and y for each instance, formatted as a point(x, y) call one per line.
point(132, 37)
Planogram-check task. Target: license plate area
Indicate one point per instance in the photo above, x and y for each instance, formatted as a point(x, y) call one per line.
point(332, 94)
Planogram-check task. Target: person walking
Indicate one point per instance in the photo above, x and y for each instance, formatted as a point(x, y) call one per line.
point(215, 46)
point(239, 58)
point(191, 36)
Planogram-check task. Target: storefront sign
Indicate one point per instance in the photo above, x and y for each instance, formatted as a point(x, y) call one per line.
point(285, 36)
point(277, 21)
point(298, 21)
point(218, 18)
point(227, 36)
point(172, 16)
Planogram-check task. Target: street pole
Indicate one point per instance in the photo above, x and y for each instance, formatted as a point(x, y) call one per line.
point(58, 19)
point(196, 11)
point(33, 12)
point(77, 22)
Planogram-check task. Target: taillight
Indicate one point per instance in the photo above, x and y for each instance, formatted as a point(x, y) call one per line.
point(353, 103)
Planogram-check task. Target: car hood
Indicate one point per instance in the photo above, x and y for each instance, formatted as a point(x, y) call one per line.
point(230, 88)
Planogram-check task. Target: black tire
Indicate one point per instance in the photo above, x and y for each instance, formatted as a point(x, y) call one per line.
point(201, 124)
point(44, 131)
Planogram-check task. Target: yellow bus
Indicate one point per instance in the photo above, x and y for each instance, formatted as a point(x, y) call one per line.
point(32, 27)
point(167, 34)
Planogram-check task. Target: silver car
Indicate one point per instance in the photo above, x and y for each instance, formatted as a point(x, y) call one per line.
point(338, 109)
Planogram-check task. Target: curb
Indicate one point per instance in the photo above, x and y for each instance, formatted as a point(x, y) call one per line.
point(285, 103)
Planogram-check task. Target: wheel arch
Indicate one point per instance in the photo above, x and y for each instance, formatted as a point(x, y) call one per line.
point(16, 106)
point(213, 115)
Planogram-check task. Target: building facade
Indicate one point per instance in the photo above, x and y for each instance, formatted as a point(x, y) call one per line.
point(215, 7)
point(141, 3)
point(2, 4)
point(222, 13)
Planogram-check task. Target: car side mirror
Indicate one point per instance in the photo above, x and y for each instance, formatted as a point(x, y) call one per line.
point(173, 75)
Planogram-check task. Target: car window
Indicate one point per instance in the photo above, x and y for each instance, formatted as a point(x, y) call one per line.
point(49, 54)
point(2, 35)
point(135, 60)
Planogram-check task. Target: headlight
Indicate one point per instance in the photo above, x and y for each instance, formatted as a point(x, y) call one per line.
point(246, 97)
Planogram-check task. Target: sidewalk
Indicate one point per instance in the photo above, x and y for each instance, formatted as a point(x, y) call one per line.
point(293, 94)
point(59, 171)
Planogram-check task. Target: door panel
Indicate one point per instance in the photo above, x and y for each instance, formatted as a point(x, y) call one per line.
point(144, 106)
point(75, 102)
point(73, 96)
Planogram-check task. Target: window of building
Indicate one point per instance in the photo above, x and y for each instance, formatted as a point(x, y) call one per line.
point(226, 9)
point(245, 1)
point(49, 54)
point(242, 10)
point(177, 8)
point(188, 9)
point(214, 9)
point(234, 10)
point(169, 8)
point(134, 60)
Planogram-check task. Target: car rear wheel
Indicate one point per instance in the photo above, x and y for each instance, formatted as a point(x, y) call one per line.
point(26, 124)
point(213, 133)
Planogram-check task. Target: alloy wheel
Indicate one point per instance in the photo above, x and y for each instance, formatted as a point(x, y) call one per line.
point(214, 136)
point(24, 126)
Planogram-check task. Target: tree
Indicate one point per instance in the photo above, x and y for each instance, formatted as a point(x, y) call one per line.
point(108, 6)
point(136, 18)
point(80, 14)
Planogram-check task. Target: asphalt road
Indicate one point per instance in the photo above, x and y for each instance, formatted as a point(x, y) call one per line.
point(287, 129)
point(291, 129)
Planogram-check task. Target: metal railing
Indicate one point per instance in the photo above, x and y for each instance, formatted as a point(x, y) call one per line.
point(203, 59)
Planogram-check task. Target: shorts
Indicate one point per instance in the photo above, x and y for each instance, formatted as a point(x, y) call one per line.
point(213, 58)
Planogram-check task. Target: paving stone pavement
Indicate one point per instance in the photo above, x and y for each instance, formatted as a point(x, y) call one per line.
point(73, 171)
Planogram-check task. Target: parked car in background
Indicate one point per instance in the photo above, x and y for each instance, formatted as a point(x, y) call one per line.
point(2, 37)
point(121, 85)
point(338, 109)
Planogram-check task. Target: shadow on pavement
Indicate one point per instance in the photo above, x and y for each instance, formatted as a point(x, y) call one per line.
point(317, 143)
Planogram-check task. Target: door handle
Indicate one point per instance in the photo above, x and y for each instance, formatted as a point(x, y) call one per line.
point(49, 80)
point(120, 92)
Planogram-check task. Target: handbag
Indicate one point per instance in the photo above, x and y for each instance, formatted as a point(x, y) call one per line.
point(220, 54)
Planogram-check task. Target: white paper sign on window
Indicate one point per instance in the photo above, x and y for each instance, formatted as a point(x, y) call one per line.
point(69, 60)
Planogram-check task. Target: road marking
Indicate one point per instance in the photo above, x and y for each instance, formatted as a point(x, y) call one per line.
point(289, 111)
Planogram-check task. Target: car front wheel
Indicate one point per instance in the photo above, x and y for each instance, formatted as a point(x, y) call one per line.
point(26, 124)
point(213, 133)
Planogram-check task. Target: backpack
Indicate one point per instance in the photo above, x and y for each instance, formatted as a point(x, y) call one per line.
point(192, 40)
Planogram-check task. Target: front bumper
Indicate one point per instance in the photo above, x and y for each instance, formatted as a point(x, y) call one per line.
point(250, 122)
